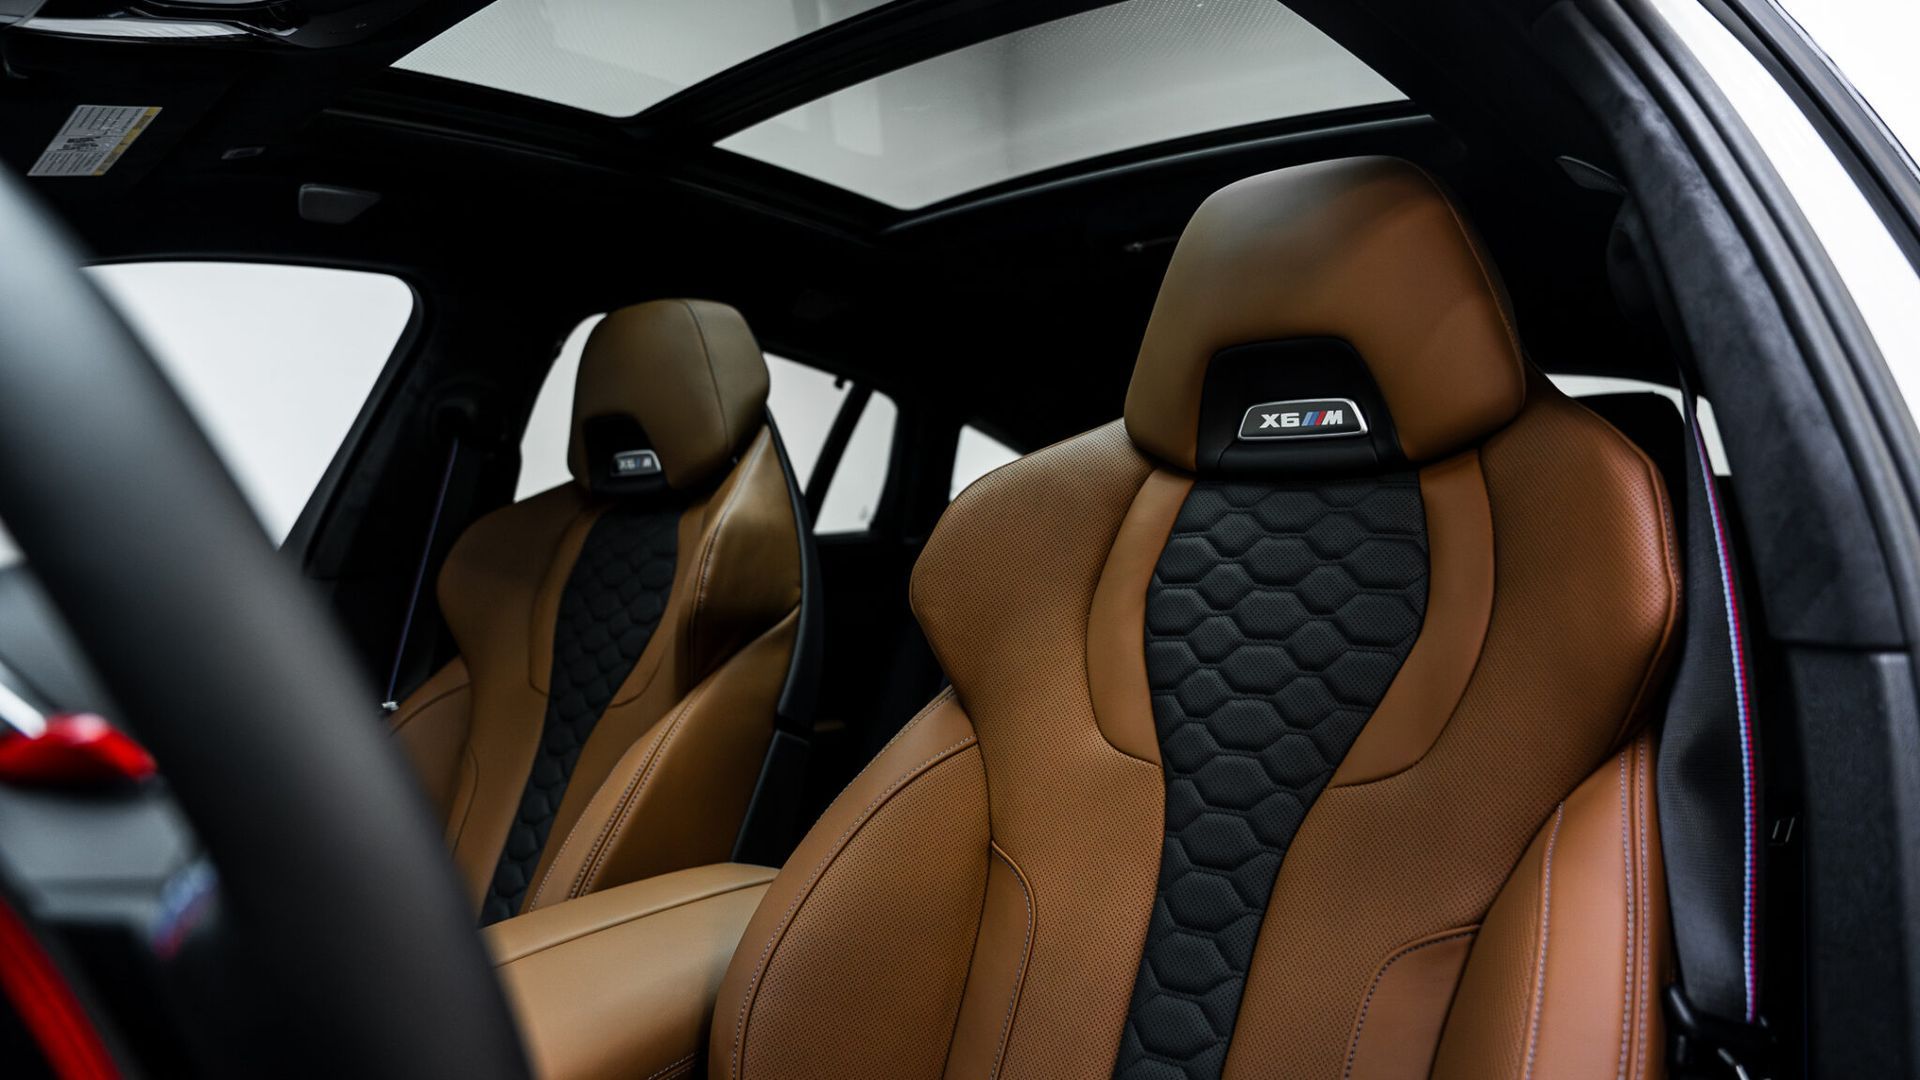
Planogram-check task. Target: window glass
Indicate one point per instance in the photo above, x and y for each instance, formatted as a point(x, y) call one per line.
point(543, 446)
point(977, 454)
point(1579, 386)
point(615, 56)
point(275, 362)
point(854, 494)
point(1871, 42)
point(804, 400)
point(1104, 80)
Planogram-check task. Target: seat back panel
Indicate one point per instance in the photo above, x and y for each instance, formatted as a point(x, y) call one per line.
point(613, 601)
point(1585, 596)
point(1276, 619)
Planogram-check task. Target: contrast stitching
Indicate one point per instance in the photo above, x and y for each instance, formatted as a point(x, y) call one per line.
point(673, 1069)
point(1366, 1003)
point(1546, 924)
point(1626, 858)
point(1019, 972)
point(800, 895)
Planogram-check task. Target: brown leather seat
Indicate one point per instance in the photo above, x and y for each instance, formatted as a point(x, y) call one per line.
point(624, 638)
point(1309, 756)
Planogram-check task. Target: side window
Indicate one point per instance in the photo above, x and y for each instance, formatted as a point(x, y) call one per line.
point(543, 446)
point(854, 492)
point(1579, 386)
point(274, 361)
point(977, 454)
point(806, 402)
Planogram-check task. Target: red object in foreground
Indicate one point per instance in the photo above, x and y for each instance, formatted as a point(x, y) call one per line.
point(46, 1005)
point(75, 749)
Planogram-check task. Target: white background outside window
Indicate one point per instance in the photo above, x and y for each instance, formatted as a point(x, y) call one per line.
point(274, 361)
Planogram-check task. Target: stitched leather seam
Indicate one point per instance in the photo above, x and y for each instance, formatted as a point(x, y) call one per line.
point(581, 522)
point(705, 577)
point(813, 877)
point(1645, 989)
point(1626, 858)
point(633, 918)
point(466, 812)
point(560, 854)
point(1546, 923)
point(1019, 972)
point(1086, 652)
point(1669, 563)
point(713, 380)
point(1479, 657)
point(1366, 1003)
point(674, 1069)
point(630, 796)
point(1486, 276)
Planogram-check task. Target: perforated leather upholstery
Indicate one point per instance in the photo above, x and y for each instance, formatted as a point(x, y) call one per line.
point(1301, 775)
point(621, 652)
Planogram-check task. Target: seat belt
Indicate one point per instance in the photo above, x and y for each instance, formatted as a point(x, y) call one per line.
point(390, 703)
point(1709, 800)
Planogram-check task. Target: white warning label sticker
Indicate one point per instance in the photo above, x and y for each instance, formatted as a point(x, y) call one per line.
point(92, 139)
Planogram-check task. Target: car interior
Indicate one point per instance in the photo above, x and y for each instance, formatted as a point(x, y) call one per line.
point(1164, 539)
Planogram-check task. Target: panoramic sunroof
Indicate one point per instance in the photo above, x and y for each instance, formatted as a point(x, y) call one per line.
point(616, 56)
point(1104, 80)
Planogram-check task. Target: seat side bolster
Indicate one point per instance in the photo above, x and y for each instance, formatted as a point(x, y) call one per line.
point(1565, 977)
point(433, 726)
point(880, 902)
point(621, 983)
point(746, 574)
point(677, 795)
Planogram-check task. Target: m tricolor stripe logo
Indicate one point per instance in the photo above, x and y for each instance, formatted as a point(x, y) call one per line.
point(1308, 418)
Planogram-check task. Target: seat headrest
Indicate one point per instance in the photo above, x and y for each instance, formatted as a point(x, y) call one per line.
point(668, 393)
point(1338, 315)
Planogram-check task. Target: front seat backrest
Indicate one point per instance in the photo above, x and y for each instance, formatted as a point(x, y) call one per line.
point(1308, 756)
point(623, 638)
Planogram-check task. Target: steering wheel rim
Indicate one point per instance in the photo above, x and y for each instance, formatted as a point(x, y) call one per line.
point(334, 882)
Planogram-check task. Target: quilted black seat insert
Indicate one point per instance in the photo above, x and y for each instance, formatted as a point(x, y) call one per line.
point(613, 602)
point(1276, 618)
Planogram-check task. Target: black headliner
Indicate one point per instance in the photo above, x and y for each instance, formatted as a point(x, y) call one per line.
point(1017, 306)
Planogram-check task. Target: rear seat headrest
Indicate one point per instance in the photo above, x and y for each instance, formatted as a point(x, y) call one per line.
point(1350, 302)
point(668, 393)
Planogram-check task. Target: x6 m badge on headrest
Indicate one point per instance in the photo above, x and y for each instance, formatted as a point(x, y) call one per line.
point(636, 463)
point(1307, 418)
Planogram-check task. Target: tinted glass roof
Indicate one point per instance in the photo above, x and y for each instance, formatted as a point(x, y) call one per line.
point(616, 57)
point(1108, 79)
point(1104, 80)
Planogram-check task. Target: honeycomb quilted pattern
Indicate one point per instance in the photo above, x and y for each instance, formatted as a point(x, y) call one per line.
point(1276, 618)
point(612, 604)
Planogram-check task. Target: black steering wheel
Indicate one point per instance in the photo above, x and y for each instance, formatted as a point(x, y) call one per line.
point(353, 947)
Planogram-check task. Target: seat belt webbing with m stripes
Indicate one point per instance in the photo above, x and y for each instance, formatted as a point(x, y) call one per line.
point(1709, 795)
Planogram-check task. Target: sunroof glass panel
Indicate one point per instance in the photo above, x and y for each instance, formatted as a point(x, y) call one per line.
point(1104, 80)
point(616, 57)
